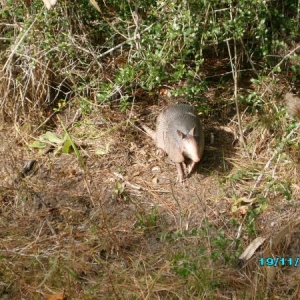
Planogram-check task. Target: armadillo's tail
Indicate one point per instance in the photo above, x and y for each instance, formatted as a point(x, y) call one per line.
point(144, 128)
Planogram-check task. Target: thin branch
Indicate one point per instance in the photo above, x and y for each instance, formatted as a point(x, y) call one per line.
point(234, 75)
point(284, 58)
point(123, 43)
point(21, 38)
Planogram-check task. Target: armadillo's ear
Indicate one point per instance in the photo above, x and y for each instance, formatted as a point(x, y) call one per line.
point(180, 134)
point(193, 131)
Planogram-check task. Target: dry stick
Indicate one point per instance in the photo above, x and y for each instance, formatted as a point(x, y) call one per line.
point(136, 37)
point(18, 44)
point(123, 43)
point(136, 20)
point(179, 206)
point(283, 142)
point(234, 75)
point(248, 57)
point(235, 80)
point(285, 139)
point(204, 27)
point(50, 272)
point(272, 71)
point(284, 58)
point(259, 178)
point(266, 167)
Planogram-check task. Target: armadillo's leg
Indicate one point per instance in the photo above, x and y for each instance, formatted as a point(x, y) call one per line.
point(180, 172)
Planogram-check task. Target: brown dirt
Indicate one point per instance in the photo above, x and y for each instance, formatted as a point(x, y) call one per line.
point(118, 228)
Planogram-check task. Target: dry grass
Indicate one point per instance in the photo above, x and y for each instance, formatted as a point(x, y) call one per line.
point(112, 233)
point(117, 226)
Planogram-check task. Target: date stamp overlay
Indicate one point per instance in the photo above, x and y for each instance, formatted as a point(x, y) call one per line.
point(279, 261)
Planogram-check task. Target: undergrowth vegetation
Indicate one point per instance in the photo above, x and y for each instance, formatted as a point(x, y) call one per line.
point(123, 49)
point(79, 220)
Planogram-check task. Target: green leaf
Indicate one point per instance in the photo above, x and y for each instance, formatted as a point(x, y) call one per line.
point(66, 148)
point(37, 144)
point(51, 137)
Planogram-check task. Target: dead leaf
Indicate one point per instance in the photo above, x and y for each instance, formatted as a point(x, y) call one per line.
point(242, 210)
point(252, 248)
point(247, 200)
point(95, 4)
point(49, 3)
point(58, 296)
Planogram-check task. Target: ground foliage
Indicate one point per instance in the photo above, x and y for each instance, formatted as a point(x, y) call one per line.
point(87, 210)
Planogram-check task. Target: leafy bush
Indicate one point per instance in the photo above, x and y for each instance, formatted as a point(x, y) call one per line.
point(109, 54)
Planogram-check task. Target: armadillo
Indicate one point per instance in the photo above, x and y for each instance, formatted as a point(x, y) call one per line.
point(179, 134)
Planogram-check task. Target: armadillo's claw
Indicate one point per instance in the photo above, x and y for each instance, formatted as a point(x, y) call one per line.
point(190, 167)
point(160, 152)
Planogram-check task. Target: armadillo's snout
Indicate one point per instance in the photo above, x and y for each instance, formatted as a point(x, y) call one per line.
point(192, 150)
point(195, 158)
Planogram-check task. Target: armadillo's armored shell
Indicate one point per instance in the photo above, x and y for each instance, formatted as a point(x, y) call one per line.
point(179, 133)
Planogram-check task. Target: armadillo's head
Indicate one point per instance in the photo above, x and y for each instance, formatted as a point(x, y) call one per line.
point(189, 145)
